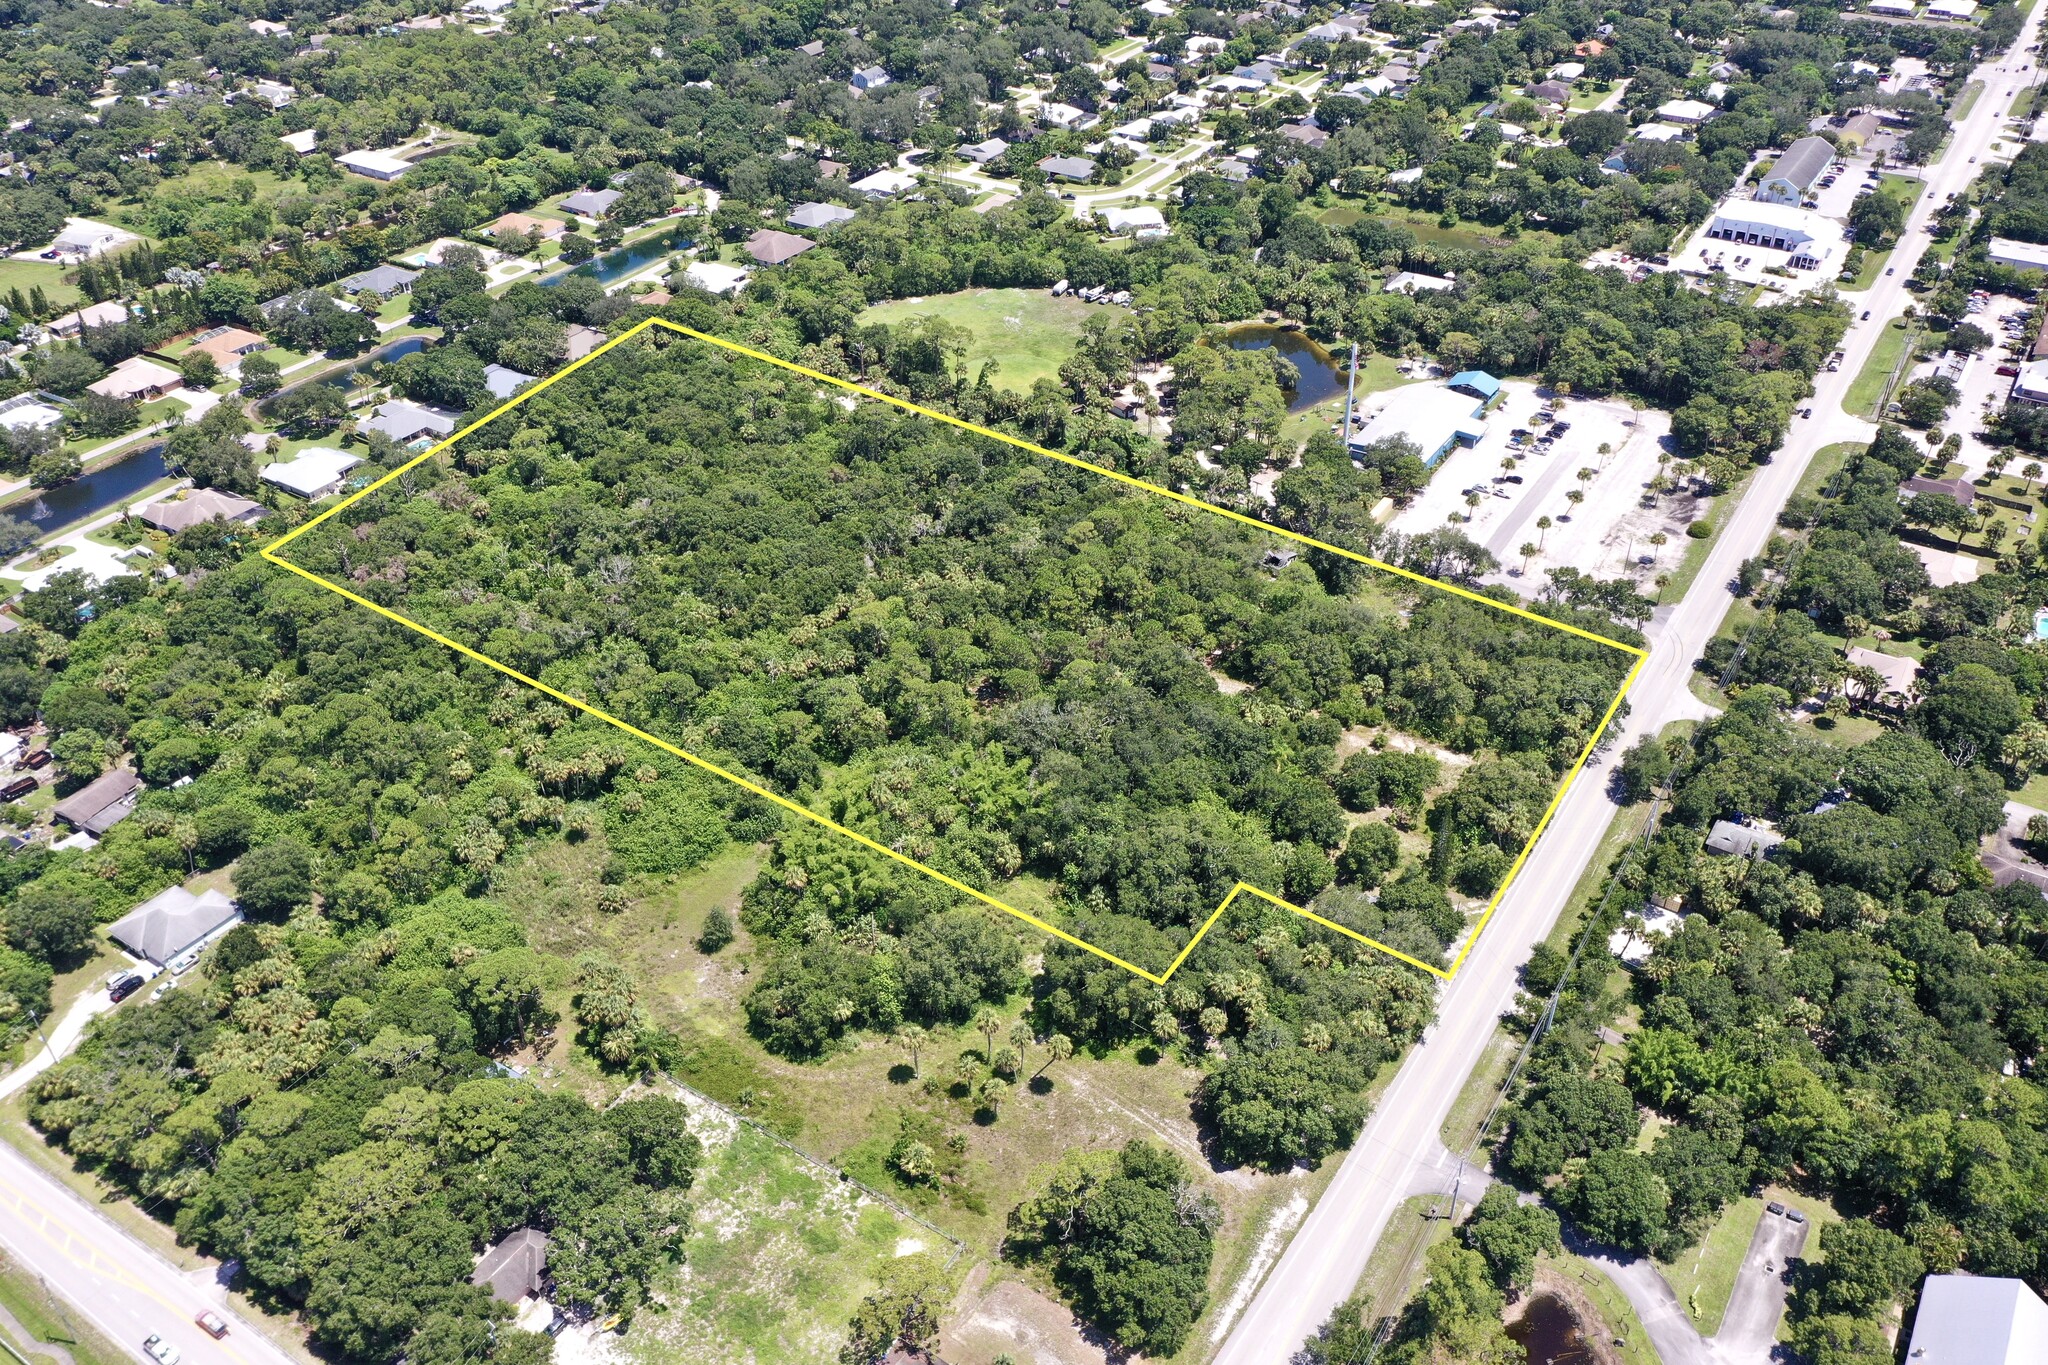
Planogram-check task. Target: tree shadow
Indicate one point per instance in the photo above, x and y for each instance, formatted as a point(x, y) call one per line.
point(1041, 1085)
point(901, 1074)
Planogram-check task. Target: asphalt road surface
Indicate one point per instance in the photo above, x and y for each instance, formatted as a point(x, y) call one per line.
point(111, 1280)
point(1329, 1251)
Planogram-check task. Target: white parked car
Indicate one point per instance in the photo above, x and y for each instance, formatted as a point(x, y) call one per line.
point(162, 1351)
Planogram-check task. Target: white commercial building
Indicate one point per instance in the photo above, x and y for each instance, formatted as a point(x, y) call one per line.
point(376, 165)
point(1800, 233)
point(2031, 384)
point(1978, 1320)
point(2018, 255)
point(1434, 417)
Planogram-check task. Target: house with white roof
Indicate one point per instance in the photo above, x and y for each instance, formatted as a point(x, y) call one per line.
point(317, 472)
point(1413, 282)
point(885, 183)
point(93, 315)
point(301, 142)
point(1686, 111)
point(1054, 114)
point(715, 277)
point(1143, 222)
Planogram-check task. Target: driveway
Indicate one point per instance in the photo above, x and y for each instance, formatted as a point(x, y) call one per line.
point(1749, 1327)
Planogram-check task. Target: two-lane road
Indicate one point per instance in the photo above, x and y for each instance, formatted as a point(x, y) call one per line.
point(1328, 1253)
point(108, 1278)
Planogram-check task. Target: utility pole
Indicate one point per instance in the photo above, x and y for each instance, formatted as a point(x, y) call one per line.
point(38, 1025)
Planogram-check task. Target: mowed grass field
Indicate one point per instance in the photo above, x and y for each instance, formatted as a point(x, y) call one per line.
point(1027, 332)
point(26, 275)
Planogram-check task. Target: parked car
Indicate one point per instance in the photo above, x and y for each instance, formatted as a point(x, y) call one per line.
point(183, 962)
point(2009, 371)
point(211, 1323)
point(121, 990)
point(1794, 1214)
point(162, 1351)
point(1774, 1207)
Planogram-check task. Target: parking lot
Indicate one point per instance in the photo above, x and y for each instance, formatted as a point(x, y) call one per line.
point(1606, 534)
point(1984, 389)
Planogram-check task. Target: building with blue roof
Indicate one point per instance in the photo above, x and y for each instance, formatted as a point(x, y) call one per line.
point(1478, 383)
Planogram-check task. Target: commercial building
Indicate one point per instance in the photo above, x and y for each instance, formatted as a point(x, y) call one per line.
point(1436, 419)
point(2031, 385)
point(375, 165)
point(318, 471)
point(2016, 254)
point(1799, 233)
point(1978, 1320)
point(1792, 179)
point(173, 925)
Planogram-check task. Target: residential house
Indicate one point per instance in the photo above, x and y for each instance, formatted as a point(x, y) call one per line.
point(1689, 112)
point(771, 247)
point(406, 422)
point(885, 183)
point(1304, 134)
point(515, 1268)
point(28, 412)
point(579, 341)
point(1959, 10)
point(1742, 841)
point(1075, 169)
point(385, 281)
point(540, 229)
point(173, 925)
point(1143, 222)
point(100, 804)
point(591, 203)
point(1550, 92)
point(1567, 71)
point(816, 216)
point(715, 277)
point(1053, 114)
point(137, 380)
point(1413, 282)
point(93, 315)
point(981, 153)
point(1962, 490)
point(504, 381)
point(318, 471)
point(228, 346)
point(196, 508)
point(868, 78)
point(81, 240)
point(374, 164)
point(276, 94)
point(302, 141)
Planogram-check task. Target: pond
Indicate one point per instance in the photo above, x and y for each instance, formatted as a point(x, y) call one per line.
point(350, 375)
point(52, 509)
point(1549, 1332)
point(614, 266)
point(1322, 375)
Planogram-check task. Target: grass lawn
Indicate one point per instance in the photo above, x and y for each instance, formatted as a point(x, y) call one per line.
point(779, 1254)
point(1696, 551)
point(1028, 333)
point(1482, 1088)
point(1875, 377)
point(1395, 1266)
point(211, 180)
point(1376, 373)
point(1968, 102)
point(1873, 266)
point(26, 275)
point(1466, 236)
point(47, 1321)
point(2034, 793)
point(1827, 462)
point(2024, 105)
point(1904, 188)
point(1704, 1277)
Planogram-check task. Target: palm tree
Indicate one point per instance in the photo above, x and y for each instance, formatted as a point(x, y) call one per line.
point(1586, 475)
point(1530, 549)
point(1471, 505)
point(2031, 473)
point(992, 1092)
point(1543, 525)
point(987, 1025)
point(1058, 1048)
point(1575, 496)
point(912, 1038)
point(1657, 543)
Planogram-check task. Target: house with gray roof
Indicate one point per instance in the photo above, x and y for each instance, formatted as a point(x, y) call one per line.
point(173, 922)
point(385, 281)
point(1742, 841)
point(1978, 1320)
point(100, 804)
point(1078, 169)
point(591, 203)
point(1796, 172)
point(815, 216)
point(504, 381)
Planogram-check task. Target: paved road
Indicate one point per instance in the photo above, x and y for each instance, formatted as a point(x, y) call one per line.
point(110, 1279)
point(1749, 1327)
point(1323, 1262)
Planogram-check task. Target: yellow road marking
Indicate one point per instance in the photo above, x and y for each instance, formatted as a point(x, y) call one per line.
point(274, 555)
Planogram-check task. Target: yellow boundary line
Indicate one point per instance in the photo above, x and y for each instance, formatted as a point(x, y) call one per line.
point(272, 553)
